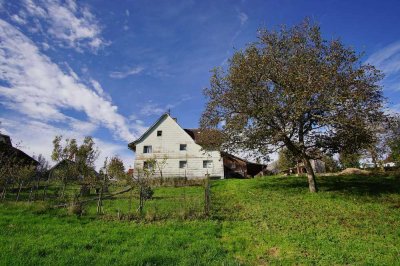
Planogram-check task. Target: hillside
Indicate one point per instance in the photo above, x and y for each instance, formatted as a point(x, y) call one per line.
point(269, 220)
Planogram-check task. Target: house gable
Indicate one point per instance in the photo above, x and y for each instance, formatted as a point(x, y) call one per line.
point(166, 139)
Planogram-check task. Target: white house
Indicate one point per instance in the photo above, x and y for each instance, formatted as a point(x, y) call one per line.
point(166, 140)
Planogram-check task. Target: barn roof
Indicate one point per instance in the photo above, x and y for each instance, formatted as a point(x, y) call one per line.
point(8, 150)
point(194, 133)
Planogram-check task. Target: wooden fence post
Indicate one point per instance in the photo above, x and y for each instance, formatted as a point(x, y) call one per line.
point(207, 195)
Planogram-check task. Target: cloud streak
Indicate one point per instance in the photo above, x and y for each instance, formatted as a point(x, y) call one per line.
point(36, 87)
point(387, 59)
point(64, 21)
point(36, 138)
point(124, 74)
point(243, 18)
point(151, 108)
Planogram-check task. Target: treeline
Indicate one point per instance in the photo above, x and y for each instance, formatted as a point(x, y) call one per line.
point(73, 182)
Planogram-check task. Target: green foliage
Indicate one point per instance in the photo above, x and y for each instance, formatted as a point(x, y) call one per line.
point(292, 88)
point(147, 193)
point(395, 151)
point(75, 162)
point(115, 168)
point(394, 141)
point(349, 160)
point(286, 159)
point(331, 165)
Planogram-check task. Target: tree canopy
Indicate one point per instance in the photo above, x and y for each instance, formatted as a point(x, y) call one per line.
point(295, 89)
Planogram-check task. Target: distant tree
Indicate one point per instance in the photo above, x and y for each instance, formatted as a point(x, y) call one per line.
point(350, 160)
point(42, 174)
point(142, 181)
point(159, 165)
point(331, 165)
point(85, 158)
point(14, 170)
point(102, 182)
point(22, 175)
point(7, 164)
point(116, 169)
point(76, 162)
point(393, 140)
point(286, 159)
point(292, 88)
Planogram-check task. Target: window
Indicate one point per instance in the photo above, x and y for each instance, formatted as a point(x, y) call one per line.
point(182, 147)
point(148, 166)
point(207, 164)
point(182, 164)
point(147, 149)
point(159, 133)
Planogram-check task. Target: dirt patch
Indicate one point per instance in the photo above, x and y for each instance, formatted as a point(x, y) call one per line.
point(354, 171)
point(273, 252)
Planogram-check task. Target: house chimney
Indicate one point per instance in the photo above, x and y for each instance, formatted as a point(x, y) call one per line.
point(176, 119)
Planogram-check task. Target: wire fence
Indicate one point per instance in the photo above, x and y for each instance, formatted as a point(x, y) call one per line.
point(170, 199)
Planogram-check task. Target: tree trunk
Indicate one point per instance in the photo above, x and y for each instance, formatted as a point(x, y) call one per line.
point(141, 200)
point(37, 189)
point(312, 184)
point(44, 192)
point(30, 194)
point(130, 202)
point(63, 190)
point(19, 191)
point(85, 190)
point(3, 194)
point(100, 202)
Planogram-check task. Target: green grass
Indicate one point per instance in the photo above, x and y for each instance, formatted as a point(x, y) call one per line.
point(271, 220)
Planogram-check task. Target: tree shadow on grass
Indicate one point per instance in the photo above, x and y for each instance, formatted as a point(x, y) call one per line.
point(361, 185)
point(357, 185)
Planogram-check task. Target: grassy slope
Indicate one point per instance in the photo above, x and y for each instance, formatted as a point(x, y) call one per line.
point(353, 220)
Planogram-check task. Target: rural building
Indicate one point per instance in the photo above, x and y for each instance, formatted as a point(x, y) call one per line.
point(7, 151)
point(177, 153)
point(317, 165)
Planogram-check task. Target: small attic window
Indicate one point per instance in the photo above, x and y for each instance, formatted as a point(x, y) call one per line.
point(182, 147)
point(159, 133)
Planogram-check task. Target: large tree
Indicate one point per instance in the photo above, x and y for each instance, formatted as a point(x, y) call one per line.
point(393, 140)
point(292, 88)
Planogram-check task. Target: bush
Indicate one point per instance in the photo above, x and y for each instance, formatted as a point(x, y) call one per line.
point(147, 193)
point(76, 209)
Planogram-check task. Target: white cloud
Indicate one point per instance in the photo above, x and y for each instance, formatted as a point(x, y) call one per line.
point(99, 89)
point(45, 46)
point(71, 25)
point(243, 18)
point(124, 74)
point(387, 59)
point(38, 88)
point(127, 13)
point(18, 19)
point(151, 108)
point(35, 137)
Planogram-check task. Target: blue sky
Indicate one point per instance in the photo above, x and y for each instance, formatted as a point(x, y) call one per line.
point(110, 68)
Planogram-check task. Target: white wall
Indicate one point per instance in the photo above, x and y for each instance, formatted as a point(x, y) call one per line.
point(169, 145)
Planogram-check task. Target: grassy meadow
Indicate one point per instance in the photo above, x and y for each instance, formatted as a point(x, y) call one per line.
point(269, 220)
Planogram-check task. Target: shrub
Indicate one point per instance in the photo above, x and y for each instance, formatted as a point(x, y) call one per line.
point(76, 208)
point(147, 193)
